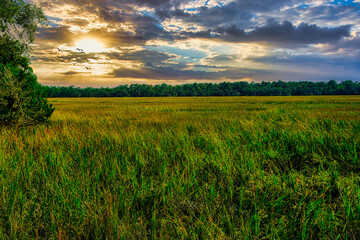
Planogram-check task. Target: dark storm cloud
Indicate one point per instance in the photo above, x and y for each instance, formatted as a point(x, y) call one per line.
point(145, 27)
point(239, 12)
point(143, 56)
point(148, 28)
point(127, 28)
point(168, 72)
point(302, 34)
point(55, 34)
point(251, 5)
point(209, 17)
point(71, 73)
point(164, 4)
point(152, 3)
point(278, 33)
point(261, 5)
point(230, 22)
point(111, 16)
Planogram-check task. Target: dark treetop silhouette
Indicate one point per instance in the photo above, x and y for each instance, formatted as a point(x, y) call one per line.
point(279, 88)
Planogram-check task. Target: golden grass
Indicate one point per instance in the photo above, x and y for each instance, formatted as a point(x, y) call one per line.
point(185, 168)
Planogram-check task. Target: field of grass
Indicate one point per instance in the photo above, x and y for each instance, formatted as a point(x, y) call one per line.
point(185, 168)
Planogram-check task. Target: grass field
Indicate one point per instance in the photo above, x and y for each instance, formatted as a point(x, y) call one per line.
point(185, 168)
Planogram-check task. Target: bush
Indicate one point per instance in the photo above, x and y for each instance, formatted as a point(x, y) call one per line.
point(22, 101)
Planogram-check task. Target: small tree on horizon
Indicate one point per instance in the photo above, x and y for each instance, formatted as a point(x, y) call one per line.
point(22, 101)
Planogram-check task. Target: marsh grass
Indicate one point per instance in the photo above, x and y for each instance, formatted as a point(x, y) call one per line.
point(185, 168)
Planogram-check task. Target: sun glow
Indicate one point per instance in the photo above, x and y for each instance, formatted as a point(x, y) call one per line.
point(90, 45)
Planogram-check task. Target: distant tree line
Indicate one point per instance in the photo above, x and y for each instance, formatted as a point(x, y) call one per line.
point(278, 88)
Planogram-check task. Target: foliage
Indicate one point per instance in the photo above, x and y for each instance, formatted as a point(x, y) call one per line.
point(209, 89)
point(22, 100)
point(185, 168)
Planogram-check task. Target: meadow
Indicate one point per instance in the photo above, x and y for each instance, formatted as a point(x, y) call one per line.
point(185, 168)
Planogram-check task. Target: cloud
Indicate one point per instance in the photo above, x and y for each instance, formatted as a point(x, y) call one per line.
point(74, 73)
point(143, 56)
point(205, 40)
point(54, 34)
point(304, 33)
point(278, 33)
point(111, 16)
point(169, 73)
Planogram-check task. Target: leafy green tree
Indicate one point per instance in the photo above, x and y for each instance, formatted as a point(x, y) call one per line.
point(22, 101)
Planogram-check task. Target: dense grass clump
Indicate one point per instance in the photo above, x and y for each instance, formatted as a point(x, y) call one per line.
point(185, 168)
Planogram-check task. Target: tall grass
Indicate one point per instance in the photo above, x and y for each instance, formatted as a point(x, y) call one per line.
point(185, 168)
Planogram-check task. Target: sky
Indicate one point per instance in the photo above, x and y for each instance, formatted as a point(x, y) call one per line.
point(106, 43)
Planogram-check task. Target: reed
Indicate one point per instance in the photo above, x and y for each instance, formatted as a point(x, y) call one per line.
point(185, 168)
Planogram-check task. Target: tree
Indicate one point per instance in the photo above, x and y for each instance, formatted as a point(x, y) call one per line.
point(22, 100)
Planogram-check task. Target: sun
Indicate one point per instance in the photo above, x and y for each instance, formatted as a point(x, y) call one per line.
point(90, 45)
